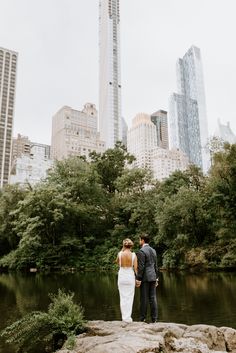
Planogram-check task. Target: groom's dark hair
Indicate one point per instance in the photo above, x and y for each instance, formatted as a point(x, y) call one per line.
point(145, 237)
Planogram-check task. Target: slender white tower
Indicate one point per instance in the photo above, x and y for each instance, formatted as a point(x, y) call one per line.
point(110, 122)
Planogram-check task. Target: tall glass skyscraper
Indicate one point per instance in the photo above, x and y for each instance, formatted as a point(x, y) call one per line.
point(188, 127)
point(110, 122)
point(8, 63)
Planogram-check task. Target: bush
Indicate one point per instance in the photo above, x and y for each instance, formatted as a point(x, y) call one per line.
point(195, 257)
point(9, 261)
point(170, 259)
point(63, 321)
point(229, 261)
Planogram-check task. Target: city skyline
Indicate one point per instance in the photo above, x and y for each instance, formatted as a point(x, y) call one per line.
point(57, 44)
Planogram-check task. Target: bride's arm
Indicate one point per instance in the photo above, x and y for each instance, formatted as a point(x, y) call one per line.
point(135, 265)
point(118, 258)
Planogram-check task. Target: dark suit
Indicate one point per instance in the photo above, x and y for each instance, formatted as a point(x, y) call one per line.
point(147, 273)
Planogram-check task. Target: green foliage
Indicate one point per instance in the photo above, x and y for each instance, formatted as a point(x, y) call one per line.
point(111, 164)
point(170, 259)
point(229, 260)
point(10, 196)
point(184, 213)
point(79, 178)
point(63, 320)
point(9, 260)
point(223, 190)
point(79, 216)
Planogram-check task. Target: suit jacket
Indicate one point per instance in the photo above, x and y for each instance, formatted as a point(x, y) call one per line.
point(147, 264)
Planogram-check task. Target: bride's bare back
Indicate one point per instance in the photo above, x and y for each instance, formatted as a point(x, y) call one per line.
point(126, 259)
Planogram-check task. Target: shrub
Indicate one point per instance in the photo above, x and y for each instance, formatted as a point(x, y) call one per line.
point(229, 260)
point(63, 321)
point(170, 259)
point(195, 257)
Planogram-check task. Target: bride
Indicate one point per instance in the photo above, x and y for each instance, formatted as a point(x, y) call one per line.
point(127, 261)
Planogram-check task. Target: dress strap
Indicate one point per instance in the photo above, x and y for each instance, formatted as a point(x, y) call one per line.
point(119, 256)
point(133, 257)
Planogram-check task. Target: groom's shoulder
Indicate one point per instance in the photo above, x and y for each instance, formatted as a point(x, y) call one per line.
point(148, 249)
point(140, 251)
point(144, 249)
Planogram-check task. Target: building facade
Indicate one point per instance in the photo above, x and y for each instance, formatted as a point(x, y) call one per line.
point(159, 119)
point(141, 140)
point(188, 127)
point(165, 162)
point(8, 68)
point(124, 132)
point(110, 121)
point(143, 143)
point(20, 146)
point(30, 165)
point(74, 133)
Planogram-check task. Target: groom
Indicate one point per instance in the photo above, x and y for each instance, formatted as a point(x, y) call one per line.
point(147, 278)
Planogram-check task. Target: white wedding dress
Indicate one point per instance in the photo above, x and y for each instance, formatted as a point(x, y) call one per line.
point(126, 286)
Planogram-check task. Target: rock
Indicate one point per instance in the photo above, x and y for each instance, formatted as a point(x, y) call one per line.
point(230, 338)
point(139, 337)
point(210, 335)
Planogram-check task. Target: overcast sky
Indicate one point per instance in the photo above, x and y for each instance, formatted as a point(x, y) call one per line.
point(57, 42)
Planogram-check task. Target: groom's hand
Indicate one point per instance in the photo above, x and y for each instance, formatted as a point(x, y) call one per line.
point(138, 283)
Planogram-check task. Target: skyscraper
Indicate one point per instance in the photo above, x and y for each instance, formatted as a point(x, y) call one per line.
point(8, 64)
point(74, 132)
point(159, 119)
point(110, 123)
point(141, 140)
point(124, 131)
point(188, 127)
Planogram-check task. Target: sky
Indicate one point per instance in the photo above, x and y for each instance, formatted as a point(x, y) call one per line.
point(57, 42)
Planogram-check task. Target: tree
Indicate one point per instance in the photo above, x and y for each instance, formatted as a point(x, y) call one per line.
point(111, 164)
point(10, 196)
point(222, 189)
point(79, 178)
point(216, 144)
point(134, 202)
point(184, 214)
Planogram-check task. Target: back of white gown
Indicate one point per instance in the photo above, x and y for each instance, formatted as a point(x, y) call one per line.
point(126, 286)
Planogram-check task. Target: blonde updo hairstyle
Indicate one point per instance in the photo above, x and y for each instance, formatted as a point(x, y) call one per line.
point(127, 243)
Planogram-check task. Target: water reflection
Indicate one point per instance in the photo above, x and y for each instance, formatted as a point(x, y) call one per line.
point(198, 298)
point(182, 298)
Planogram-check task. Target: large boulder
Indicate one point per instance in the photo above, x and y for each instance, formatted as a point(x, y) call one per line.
point(138, 337)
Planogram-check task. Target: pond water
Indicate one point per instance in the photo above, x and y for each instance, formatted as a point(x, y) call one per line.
point(207, 298)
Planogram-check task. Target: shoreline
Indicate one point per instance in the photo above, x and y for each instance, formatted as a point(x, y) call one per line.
point(92, 269)
point(161, 337)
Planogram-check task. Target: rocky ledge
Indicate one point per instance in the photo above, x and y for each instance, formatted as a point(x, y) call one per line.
point(138, 337)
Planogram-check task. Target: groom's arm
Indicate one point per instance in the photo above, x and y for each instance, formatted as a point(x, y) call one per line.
point(141, 265)
point(156, 267)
